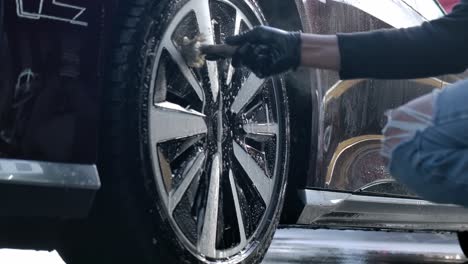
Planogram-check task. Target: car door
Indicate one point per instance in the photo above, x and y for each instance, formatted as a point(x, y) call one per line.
point(349, 115)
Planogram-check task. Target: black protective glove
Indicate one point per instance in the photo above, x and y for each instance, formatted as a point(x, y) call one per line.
point(267, 51)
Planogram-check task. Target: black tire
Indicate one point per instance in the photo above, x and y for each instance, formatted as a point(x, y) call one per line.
point(463, 240)
point(129, 223)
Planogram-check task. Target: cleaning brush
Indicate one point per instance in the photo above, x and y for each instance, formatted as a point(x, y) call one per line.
point(195, 52)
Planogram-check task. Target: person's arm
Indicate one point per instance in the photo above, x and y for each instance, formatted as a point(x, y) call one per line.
point(320, 51)
point(434, 48)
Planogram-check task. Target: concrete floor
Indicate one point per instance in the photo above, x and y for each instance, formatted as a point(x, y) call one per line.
point(360, 247)
point(295, 245)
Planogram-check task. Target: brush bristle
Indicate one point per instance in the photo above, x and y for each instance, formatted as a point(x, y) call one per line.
point(190, 49)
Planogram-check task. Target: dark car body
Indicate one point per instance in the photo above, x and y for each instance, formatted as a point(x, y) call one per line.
point(62, 44)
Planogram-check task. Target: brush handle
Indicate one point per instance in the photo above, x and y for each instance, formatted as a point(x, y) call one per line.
point(223, 51)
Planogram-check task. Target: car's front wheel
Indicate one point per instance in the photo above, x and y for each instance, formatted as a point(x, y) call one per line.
point(193, 161)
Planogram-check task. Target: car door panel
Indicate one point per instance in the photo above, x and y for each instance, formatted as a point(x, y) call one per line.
point(350, 113)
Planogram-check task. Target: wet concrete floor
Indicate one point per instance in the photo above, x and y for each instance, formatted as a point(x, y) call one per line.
point(295, 245)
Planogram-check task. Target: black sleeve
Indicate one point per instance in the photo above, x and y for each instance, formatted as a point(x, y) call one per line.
point(434, 48)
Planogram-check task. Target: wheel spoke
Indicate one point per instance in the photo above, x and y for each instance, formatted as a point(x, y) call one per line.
point(260, 180)
point(187, 144)
point(193, 170)
point(261, 129)
point(248, 90)
point(240, 220)
point(160, 90)
point(184, 69)
point(207, 241)
point(170, 121)
point(203, 15)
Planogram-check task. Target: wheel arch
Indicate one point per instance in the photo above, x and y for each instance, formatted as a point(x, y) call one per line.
point(286, 14)
point(281, 13)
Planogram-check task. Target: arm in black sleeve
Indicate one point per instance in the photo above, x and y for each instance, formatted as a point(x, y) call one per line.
point(434, 48)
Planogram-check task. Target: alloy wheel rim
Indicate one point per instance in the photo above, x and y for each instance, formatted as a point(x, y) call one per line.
point(215, 137)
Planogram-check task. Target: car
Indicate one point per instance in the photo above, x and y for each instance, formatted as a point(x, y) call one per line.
point(114, 150)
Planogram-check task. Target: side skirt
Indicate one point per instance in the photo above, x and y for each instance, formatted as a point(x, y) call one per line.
point(338, 209)
point(46, 189)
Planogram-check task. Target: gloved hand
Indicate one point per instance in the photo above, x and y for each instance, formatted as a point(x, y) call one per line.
point(267, 51)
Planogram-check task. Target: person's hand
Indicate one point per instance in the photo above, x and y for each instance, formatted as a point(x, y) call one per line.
point(266, 51)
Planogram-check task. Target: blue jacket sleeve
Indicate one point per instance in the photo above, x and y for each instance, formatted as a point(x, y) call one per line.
point(434, 48)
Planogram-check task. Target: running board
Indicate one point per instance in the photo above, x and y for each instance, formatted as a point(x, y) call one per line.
point(45, 189)
point(338, 209)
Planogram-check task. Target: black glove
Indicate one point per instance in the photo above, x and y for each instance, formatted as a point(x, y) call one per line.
point(267, 51)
